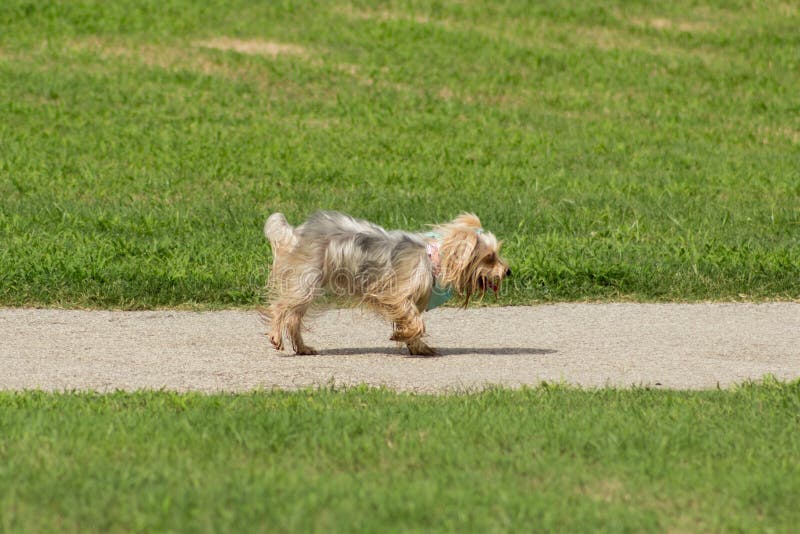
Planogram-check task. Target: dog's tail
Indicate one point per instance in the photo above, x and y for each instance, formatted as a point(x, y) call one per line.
point(280, 234)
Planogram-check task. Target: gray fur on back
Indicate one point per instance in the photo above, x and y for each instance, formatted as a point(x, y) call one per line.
point(357, 246)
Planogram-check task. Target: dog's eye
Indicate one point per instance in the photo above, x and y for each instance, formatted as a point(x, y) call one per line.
point(491, 258)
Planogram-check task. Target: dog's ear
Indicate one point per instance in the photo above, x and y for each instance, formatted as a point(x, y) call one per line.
point(470, 220)
point(457, 254)
point(464, 244)
point(487, 255)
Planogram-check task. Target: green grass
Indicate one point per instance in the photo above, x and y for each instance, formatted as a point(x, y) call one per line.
point(623, 150)
point(547, 458)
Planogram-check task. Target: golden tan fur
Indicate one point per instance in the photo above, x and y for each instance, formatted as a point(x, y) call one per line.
point(388, 271)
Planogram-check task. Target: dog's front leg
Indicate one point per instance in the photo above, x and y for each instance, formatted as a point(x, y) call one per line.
point(409, 329)
point(420, 348)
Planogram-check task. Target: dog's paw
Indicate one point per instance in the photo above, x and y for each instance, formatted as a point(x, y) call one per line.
point(419, 348)
point(277, 342)
point(305, 351)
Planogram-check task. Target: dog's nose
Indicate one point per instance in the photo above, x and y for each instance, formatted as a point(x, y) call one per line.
point(508, 271)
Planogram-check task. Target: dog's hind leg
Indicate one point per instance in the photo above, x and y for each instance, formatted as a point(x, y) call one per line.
point(276, 316)
point(288, 317)
point(294, 295)
point(294, 327)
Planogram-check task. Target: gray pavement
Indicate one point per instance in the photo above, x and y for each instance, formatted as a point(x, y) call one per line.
point(685, 346)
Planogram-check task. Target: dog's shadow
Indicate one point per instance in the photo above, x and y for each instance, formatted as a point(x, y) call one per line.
point(440, 352)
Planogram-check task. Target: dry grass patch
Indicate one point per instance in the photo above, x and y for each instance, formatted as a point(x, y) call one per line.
point(254, 47)
point(605, 490)
point(321, 123)
point(152, 55)
point(664, 24)
point(788, 9)
point(777, 134)
point(608, 39)
point(202, 59)
point(354, 13)
point(505, 33)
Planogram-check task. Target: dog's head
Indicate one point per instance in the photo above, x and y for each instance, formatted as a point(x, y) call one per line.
point(470, 257)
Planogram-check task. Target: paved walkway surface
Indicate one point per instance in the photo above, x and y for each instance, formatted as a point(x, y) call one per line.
point(661, 345)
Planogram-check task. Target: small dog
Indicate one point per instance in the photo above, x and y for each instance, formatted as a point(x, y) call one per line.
point(397, 274)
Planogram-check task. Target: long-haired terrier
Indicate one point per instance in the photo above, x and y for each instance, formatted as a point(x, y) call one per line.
point(397, 274)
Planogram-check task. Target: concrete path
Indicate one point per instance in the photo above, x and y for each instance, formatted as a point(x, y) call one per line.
point(661, 345)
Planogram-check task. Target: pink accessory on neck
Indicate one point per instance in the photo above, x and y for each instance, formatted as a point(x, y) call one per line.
point(433, 255)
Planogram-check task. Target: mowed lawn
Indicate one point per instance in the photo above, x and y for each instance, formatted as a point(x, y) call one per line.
point(623, 150)
point(370, 460)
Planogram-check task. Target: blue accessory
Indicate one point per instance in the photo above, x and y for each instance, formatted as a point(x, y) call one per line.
point(439, 294)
